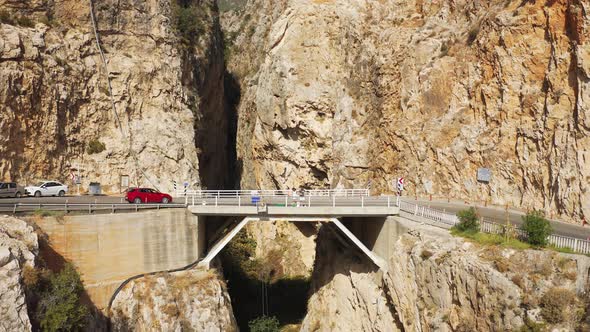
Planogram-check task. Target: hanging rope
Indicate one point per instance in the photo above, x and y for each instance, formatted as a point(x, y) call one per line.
point(112, 98)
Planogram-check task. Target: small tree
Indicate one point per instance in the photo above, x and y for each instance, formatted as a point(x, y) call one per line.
point(536, 228)
point(264, 324)
point(59, 307)
point(468, 221)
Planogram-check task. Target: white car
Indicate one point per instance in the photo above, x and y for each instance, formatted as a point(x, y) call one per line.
point(47, 188)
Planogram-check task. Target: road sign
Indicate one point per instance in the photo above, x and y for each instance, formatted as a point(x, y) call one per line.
point(484, 175)
point(400, 184)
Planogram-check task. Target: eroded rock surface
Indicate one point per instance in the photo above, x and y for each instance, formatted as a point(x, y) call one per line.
point(342, 92)
point(18, 248)
point(441, 283)
point(55, 105)
point(191, 300)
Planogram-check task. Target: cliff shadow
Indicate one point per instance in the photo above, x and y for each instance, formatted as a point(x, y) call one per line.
point(50, 263)
point(337, 255)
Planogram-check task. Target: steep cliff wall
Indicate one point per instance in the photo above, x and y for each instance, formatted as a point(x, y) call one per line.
point(56, 114)
point(439, 283)
point(183, 301)
point(341, 92)
point(18, 248)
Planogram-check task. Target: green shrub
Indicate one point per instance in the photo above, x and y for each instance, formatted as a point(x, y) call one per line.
point(59, 307)
point(25, 22)
point(95, 146)
point(536, 228)
point(264, 324)
point(189, 22)
point(5, 17)
point(468, 221)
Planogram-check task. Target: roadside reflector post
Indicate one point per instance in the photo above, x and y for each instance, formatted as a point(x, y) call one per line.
point(186, 200)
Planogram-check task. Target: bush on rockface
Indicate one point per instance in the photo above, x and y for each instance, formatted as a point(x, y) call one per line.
point(560, 305)
point(468, 221)
point(536, 228)
point(59, 307)
point(189, 21)
point(95, 146)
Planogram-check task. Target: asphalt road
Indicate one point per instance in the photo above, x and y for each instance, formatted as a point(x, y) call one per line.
point(498, 215)
point(493, 214)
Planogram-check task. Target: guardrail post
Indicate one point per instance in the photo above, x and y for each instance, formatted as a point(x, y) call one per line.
point(14, 210)
point(286, 200)
point(308, 201)
point(333, 201)
point(239, 201)
point(89, 208)
point(363, 201)
point(388, 199)
point(113, 208)
point(136, 207)
point(186, 200)
point(66, 206)
point(216, 197)
point(416, 210)
point(193, 200)
point(158, 206)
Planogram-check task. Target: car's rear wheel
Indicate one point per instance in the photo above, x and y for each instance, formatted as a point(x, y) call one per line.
point(37, 194)
point(165, 200)
point(61, 193)
point(18, 194)
point(137, 201)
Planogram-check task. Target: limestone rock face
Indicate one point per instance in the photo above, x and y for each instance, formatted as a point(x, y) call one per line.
point(287, 245)
point(55, 100)
point(444, 284)
point(183, 301)
point(18, 248)
point(343, 92)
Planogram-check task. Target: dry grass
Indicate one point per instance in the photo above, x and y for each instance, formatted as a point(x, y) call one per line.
point(560, 305)
point(30, 276)
point(519, 281)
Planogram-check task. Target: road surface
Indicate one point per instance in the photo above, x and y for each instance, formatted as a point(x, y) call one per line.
point(498, 215)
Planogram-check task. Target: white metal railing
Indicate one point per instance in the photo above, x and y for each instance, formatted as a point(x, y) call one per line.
point(337, 192)
point(487, 226)
point(273, 193)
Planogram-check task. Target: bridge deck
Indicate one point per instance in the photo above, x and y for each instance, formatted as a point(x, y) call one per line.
point(294, 206)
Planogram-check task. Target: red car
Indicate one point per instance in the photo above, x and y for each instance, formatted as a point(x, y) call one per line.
point(146, 195)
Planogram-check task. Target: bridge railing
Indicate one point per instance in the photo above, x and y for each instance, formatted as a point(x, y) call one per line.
point(337, 192)
point(489, 226)
point(272, 193)
point(292, 201)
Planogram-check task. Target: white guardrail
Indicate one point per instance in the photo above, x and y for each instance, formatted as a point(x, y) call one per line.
point(272, 193)
point(577, 245)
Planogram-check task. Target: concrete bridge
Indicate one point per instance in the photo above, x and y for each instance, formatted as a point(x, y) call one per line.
point(331, 206)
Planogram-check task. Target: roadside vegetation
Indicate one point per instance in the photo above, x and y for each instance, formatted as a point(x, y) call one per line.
point(536, 229)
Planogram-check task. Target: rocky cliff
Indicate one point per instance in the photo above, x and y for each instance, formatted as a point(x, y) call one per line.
point(164, 62)
point(339, 93)
point(440, 283)
point(18, 248)
point(191, 300)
